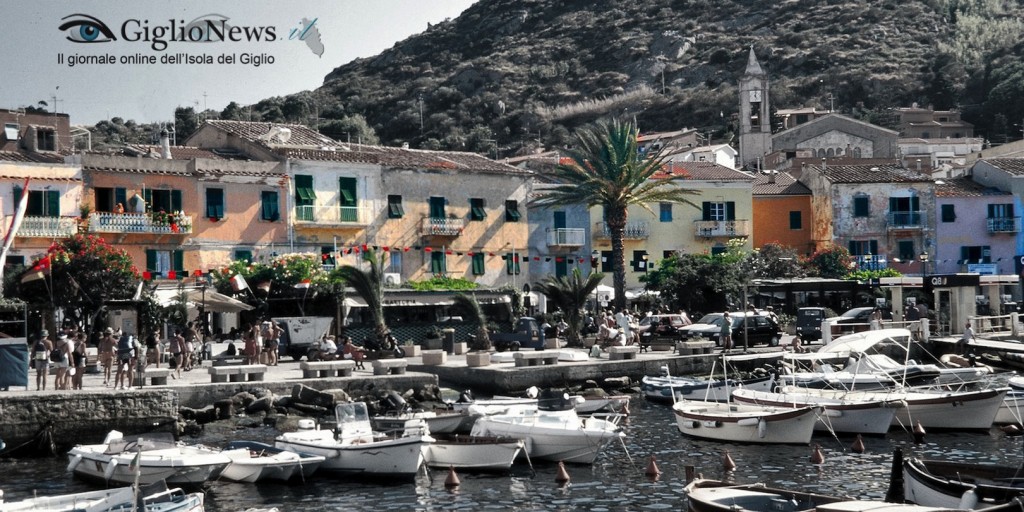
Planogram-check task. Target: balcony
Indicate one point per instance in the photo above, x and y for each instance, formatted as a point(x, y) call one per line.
point(146, 223)
point(331, 216)
point(721, 228)
point(566, 237)
point(1004, 225)
point(634, 231)
point(442, 227)
point(48, 227)
point(905, 219)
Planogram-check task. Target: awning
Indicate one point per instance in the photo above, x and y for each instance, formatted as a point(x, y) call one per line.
point(412, 299)
point(210, 300)
point(604, 293)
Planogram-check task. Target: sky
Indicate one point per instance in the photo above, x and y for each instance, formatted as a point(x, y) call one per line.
point(134, 58)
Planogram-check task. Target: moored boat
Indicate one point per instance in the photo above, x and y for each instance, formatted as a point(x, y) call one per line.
point(838, 415)
point(952, 484)
point(151, 498)
point(146, 459)
point(661, 388)
point(479, 453)
point(744, 423)
point(252, 462)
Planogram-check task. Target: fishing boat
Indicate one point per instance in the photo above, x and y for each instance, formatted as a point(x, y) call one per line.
point(552, 430)
point(838, 415)
point(595, 403)
point(476, 453)
point(152, 498)
point(743, 423)
point(146, 459)
point(252, 461)
point(357, 448)
point(1011, 411)
point(661, 388)
point(439, 421)
point(960, 484)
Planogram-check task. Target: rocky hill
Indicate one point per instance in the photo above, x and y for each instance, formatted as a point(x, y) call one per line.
point(508, 75)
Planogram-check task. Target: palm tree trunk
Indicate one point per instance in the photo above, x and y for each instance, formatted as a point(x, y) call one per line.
point(616, 222)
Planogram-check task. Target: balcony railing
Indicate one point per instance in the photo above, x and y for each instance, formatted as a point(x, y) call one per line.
point(566, 237)
point(108, 222)
point(332, 215)
point(48, 227)
point(443, 226)
point(638, 230)
point(1004, 225)
point(871, 262)
point(905, 219)
point(721, 228)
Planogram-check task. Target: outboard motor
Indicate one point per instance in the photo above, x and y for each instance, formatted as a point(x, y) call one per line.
point(394, 401)
point(465, 397)
point(555, 400)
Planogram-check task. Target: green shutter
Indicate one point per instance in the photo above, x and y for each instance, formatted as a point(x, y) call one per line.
point(151, 260)
point(17, 195)
point(243, 255)
point(304, 192)
point(478, 264)
point(270, 208)
point(147, 195)
point(121, 196)
point(795, 220)
point(706, 211)
point(437, 262)
point(437, 207)
point(730, 210)
point(948, 213)
point(215, 203)
point(476, 209)
point(512, 264)
point(52, 203)
point(512, 211)
point(349, 200)
point(561, 268)
point(559, 219)
point(179, 260)
point(395, 210)
point(175, 200)
point(873, 247)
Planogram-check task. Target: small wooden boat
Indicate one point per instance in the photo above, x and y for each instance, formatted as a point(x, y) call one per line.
point(661, 388)
point(252, 462)
point(146, 459)
point(952, 484)
point(438, 422)
point(839, 415)
point(151, 498)
point(479, 453)
point(744, 423)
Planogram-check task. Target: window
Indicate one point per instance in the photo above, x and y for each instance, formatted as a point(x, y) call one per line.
point(348, 200)
point(478, 264)
point(561, 266)
point(975, 254)
point(161, 263)
point(948, 213)
point(719, 211)
point(476, 209)
point(718, 249)
point(162, 200)
point(512, 211)
point(269, 206)
point(14, 261)
point(639, 262)
point(438, 265)
point(437, 207)
point(860, 206)
point(668, 254)
point(243, 255)
point(512, 264)
point(395, 210)
point(795, 220)
point(41, 203)
point(327, 259)
point(11, 131)
point(905, 250)
point(106, 199)
point(863, 247)
point(305, 197)
point(1000, 211)
point(215, 203)
point(606, 262)
point(46, 140)
point(666, 212)
point(396, 262)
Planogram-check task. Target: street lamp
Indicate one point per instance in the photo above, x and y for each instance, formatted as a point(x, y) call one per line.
point(923, 258)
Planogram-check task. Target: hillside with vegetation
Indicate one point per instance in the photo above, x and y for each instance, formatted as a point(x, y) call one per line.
point(510, 75)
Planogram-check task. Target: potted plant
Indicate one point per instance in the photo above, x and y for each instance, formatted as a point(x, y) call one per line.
point(433, 340)
point(480, 345)
point(411, 349)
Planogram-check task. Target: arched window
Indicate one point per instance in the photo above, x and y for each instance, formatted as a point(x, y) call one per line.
point(830, 153)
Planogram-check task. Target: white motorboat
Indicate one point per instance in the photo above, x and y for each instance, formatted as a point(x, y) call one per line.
point(473, 452)
point(745, 423)
point(357, 449)
point(955, 410)
point(438, 422)
point(552, 430)
point(661, 388)
point(1011, 411)
point(838, 415)
point(252, 462)
point(952, 483)
point(590, 404)
point(155, 498)
point(148, 458)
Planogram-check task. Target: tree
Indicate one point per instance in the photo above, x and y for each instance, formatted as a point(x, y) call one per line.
point(606, 169)
point(475, 314)
point(84, 272)
point(369, 284)
point(774, 261)
point(570, 294)
point(833, 262)
point(186, 122)
point(697, 282)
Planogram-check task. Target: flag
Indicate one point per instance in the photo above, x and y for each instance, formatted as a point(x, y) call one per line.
point(238, 283)
point(39, 271)
point(263, 285)
point(301, 284)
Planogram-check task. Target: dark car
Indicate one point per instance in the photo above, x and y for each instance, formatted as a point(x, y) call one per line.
point(760, 329)
point(808, 323)
point(860, 315)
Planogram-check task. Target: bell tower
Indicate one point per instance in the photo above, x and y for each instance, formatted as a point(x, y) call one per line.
point(755, 116)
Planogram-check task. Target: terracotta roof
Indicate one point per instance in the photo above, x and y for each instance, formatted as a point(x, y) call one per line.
point(647, 137)
point(127, 167)
point(27, 156)
point(702, 171)
point(964, 186)
point(784, 185)
point(885, 173)
point(177, 152)
point(1013, 166)
point(339, 155)
point(254, 132)
point(402, 158)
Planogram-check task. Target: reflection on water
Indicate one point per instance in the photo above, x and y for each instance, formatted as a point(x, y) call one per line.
point(615, 482)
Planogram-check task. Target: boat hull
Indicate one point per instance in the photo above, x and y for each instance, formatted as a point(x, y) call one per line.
point(867, 417)
point(943, 484)
point(473, 452)
point(659, 389)
point(400, 457)
point(552, 438)
point(190, 468)
point(967, 410)
point(745, 423)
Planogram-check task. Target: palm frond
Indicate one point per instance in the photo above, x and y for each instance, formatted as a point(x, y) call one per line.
point(476, 314)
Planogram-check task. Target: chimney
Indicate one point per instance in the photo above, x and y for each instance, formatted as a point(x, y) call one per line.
point(824, 164)
point(165, 145)
point(771, 176)
point(918, 165)
point(405, 145)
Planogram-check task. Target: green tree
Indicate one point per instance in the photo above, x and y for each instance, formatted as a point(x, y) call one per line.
point(570, 294)
point(606, 169)
point(475, 314)
point(369, 284)
point(833, 262)
point(773, 261)
point(697, 282)
point(186, 122)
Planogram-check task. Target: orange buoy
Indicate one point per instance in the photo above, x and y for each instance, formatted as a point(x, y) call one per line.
point(727, 463)
point(858, 445)
point(652, 468)
point(563, 476)
point(1011, 430)
point(816, 456)
point(453, 479)
point(918, 433)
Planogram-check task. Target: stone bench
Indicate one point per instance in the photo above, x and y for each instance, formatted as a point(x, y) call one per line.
point(434, 357)
point(658, 343)
point(536, 358)
point(339, 368)
point(389, 366)
point(237, 373)
point(156, 376)
point(229, 361)
point(695, 347)
point(619, 353)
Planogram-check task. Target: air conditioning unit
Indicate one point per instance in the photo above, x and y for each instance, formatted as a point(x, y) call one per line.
point(392, 279)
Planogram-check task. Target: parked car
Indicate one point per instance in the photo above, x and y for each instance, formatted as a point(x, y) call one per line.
point(857, 319)
point(760, 329)
point(677, 321)
point(808, 323)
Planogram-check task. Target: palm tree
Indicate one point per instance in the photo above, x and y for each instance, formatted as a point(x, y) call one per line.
point(475, 315)
point(607, 169)
point(570, 294)
point(369, 284)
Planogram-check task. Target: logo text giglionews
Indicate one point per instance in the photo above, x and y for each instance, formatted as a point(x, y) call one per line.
point(208, 28)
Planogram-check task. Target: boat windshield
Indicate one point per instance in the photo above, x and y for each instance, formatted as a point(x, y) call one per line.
point(352, 412)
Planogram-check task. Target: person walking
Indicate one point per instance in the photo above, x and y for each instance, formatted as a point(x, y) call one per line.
point(177, 349)
point(79, 360)
point(41, 360)
point(968, 336)
point(106, 351)
point(61, 359)
point(273, 341)
point(875, 320)
point(125, 361)
point(726, 332)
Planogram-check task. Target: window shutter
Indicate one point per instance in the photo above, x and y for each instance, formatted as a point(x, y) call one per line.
point(894, 204)
point(215, 203)
point(17, 195)
point(52, 203)
point(478, 264)
point(948, 213)
point(730, 210)
point(147, 195)
point(965, 252)
point(151, 260)
point(121, 196)
point(270, 210)
point(347, 188)
point(706, 211)
point(915, 203)
point(852, 246)
point(179, 261)
point(436, 207)
point(873, 244)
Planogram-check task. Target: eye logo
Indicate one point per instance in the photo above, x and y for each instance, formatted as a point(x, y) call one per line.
point(83, 28)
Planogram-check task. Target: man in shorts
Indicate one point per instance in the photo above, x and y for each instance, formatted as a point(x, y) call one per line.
point(125, 360)
point(106, 351)
point(272, 338)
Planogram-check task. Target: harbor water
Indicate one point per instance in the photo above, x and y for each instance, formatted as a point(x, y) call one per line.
point(615, 482)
